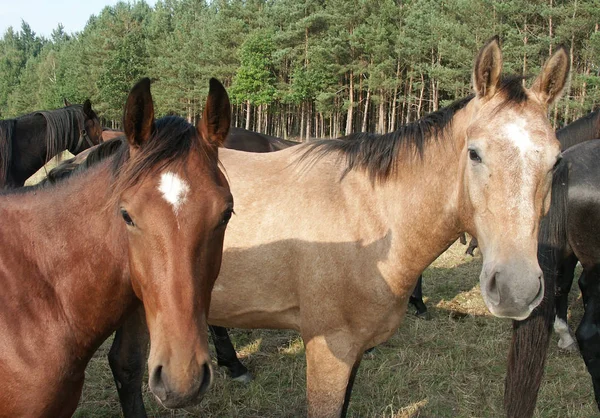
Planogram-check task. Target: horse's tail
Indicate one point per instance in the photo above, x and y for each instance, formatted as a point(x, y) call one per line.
point(531, 337)
point(7, 127)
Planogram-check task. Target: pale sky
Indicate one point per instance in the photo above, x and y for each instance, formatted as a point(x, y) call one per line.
point(44, 15)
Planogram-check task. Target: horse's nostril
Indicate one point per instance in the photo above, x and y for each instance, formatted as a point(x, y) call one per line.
point(492, 290)
point(157, 385)
point(206, 379)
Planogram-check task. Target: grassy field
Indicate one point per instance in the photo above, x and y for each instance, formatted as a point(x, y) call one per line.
point(450, 366)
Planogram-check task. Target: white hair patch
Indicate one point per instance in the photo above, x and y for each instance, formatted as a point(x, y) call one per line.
point(173, 189)
point(519, 135)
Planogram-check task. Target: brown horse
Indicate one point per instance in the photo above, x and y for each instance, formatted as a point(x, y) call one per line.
point(153, 216)
point(108, 134)
point(335, 246)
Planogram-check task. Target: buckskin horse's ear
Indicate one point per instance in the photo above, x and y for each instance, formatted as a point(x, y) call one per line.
point(87, 109)
point(138, 118)
point(487, 69)
point(216, 118)
point(551, 82)
point(66, 102)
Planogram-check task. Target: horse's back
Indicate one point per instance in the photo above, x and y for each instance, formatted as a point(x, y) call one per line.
point(299, 233)
point(244, 140)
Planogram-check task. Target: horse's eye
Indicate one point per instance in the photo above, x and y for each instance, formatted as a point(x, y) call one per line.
point(127, 218)
point(226, 216)
point(474, 156)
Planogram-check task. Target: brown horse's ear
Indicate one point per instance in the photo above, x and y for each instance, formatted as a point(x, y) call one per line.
point(87, 109)
point(66, 102)
point(551, 82)
point(487, 69)
point(216, 118)
point(138, 118)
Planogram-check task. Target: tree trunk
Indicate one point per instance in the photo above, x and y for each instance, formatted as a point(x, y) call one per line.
point(567, 107)
point(248, 115)
point(350, 106)
point(363, 127)
point(258, 125)
point(420, 105)
point(550, 30)
point(308, 119)
point(302, 123)
point(525, 39)
point(407, 99)
point(392, 125)
point(381, 128)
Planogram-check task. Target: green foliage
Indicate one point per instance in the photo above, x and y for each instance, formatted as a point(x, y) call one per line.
point(254, 80)
point(298, 58)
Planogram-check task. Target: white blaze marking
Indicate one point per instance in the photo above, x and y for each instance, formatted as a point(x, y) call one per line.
point(517, 133)
point(173, 189)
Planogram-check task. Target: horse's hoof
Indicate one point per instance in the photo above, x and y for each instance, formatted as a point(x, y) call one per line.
point(369, 354)
point(244, 378)
point(570, 348)
point(423, 315)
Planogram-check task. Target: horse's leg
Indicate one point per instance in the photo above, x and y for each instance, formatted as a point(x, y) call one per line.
point(126, 358)
point(416, 299)
point(329, 364)
point(349, 387)
point(472, 246)
point(226, 355)
point(564, 280)
point(588, 331)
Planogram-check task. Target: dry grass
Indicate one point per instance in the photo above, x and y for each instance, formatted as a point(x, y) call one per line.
point(451, 366)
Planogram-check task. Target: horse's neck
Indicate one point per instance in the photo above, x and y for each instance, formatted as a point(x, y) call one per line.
point(422, 200)
point(29, 148)
point(77, 247)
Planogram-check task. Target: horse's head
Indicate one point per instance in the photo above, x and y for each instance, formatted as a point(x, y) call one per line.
point(508, 161)
point(175, 204)
point(90, 133)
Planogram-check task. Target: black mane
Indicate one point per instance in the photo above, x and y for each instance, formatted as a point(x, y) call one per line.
point(172, 140)
point(63, 127)
point(377, 154)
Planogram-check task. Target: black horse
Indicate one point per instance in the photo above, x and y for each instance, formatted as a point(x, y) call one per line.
point(581, 130)
point(30, 141)
point(569, 233)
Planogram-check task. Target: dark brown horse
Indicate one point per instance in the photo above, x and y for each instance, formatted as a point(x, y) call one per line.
point(244, 140)
point(153, 215)
point(108, 134)
point(239, 138)
point(30, 141)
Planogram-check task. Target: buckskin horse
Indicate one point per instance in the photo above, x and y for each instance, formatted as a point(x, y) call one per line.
point(334, 248)
point(583, 129)
point(154, 216)
point(30, 141)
